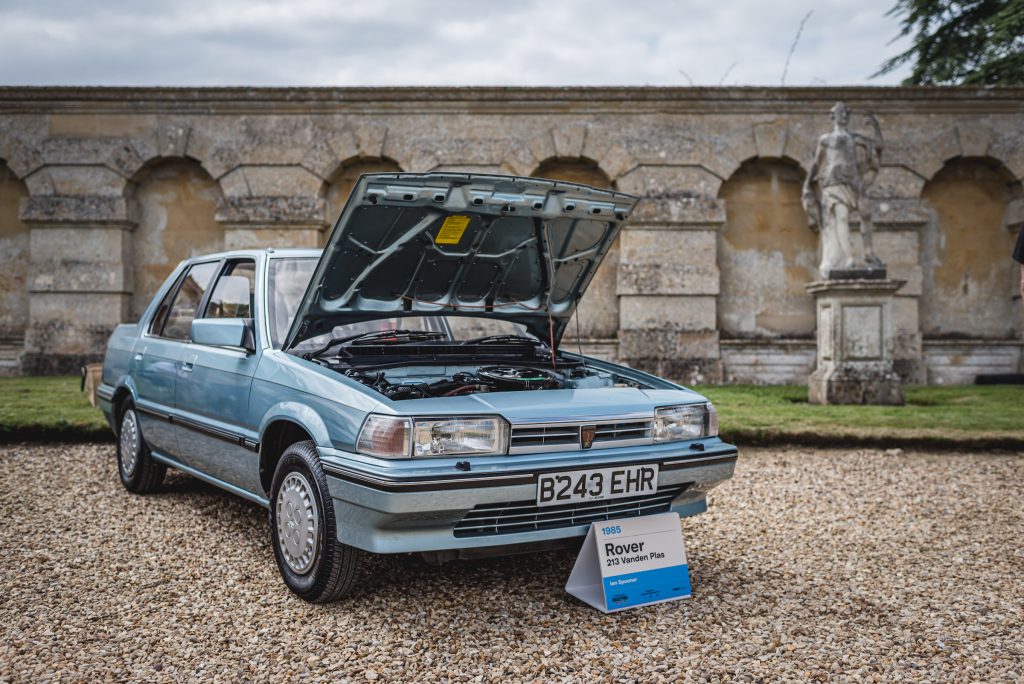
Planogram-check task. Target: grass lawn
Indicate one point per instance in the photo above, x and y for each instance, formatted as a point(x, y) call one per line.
point(53, 408)
point(48, 408)
point(977, 414)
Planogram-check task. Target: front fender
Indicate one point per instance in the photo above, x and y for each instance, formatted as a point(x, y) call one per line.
point(328, 405)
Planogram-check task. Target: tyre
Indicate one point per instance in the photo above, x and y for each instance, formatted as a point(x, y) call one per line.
point(303, 531)
point(140, 473)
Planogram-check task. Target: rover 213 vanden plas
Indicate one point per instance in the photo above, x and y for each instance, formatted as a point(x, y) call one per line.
point(404, 390)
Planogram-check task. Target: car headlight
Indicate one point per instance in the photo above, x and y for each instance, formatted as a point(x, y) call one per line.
point(458, 436)
point(678, 423)
point(397, 437)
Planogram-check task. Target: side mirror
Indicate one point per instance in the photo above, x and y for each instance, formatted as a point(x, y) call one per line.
point(224, 332)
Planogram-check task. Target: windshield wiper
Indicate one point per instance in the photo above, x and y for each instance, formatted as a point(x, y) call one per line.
point(519, 339)
point(379, 336)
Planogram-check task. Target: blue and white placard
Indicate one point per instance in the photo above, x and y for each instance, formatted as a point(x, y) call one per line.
point(631, 562)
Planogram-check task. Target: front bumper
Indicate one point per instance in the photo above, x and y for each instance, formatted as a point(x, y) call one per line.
point(416, 506)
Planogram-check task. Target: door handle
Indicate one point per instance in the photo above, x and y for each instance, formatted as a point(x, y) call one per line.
point(188, 364)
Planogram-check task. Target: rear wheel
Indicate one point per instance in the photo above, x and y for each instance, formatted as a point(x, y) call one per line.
point(303, 531)
point(140, 473)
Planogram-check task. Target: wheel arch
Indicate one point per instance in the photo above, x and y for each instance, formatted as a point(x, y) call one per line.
point(285, 426)
point(124, 393)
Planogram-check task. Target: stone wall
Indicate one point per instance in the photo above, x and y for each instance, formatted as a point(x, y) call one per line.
point(103, 190)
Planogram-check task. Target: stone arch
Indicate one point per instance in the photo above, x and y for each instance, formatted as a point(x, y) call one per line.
point(575, 170)
point(339, 186)
point(174, 200)
point(766, 253)
point(14, 258)
point(19, 159)
point(969, 280)
point(599, 308)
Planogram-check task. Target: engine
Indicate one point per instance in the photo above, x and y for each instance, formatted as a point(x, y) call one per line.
point(423, 382)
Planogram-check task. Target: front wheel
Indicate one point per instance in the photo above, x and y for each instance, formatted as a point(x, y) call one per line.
point(313, 563)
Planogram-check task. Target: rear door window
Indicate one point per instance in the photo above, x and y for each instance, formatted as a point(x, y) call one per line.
point(187, 300)
point(157, 323)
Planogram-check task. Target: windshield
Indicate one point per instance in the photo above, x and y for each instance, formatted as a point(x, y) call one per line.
point(287, 282)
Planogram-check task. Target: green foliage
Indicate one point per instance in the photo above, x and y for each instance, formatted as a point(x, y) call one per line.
point(965, 413)
point(53, 408)
point(970, 42)
point(50, 407)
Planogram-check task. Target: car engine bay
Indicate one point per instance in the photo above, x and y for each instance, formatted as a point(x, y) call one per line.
point(420, 382)
point(446, 370)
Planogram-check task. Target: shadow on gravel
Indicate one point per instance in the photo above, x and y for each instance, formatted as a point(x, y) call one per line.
point(415, 577)
point(178, 482)
point(498, 583)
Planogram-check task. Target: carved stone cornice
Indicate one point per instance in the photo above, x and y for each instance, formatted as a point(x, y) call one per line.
point(548, 100)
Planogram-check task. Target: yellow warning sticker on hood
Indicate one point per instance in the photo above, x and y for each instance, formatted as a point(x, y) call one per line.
point(451, 230)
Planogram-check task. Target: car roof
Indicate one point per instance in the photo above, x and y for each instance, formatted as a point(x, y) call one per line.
point(269, 252)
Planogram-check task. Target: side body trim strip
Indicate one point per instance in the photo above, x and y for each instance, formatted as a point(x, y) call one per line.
point(225, 435)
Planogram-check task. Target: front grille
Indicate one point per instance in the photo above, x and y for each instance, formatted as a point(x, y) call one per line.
point(615, 432)
point(525, 516)
point(551, 435)
point(566, 436)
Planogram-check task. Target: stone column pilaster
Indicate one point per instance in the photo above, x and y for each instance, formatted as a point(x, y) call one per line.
point(272, 221)
point(668, 278)
point(80, 279)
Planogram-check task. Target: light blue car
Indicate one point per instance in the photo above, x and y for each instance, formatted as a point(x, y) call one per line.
point(404, 390)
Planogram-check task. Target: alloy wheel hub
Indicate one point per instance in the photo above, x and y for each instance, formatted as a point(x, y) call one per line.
point(298, 523)
point(130, 443)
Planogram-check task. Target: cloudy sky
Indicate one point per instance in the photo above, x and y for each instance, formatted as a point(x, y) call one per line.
point(444, 42)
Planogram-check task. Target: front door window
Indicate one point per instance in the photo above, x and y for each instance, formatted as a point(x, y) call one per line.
point(233, 295)
point(190, 295)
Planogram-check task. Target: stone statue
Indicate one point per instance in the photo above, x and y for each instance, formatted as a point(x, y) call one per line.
point(844, 165)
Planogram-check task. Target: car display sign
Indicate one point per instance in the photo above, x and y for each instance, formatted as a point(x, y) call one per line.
point(598, 484)
point(631, 562)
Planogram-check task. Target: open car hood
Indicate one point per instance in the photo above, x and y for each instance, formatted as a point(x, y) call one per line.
point(505, 247)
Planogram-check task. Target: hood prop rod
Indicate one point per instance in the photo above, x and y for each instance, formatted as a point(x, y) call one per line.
point(551, 288)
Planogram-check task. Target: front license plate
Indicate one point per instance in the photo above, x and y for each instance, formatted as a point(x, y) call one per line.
point(579, 486)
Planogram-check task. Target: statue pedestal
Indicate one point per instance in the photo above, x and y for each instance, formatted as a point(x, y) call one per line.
point(855, 342)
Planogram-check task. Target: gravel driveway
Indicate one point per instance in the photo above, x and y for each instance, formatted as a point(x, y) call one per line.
point(822, 564)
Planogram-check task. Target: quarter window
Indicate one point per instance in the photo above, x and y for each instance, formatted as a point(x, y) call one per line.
point(157, 323)
point(187, 300)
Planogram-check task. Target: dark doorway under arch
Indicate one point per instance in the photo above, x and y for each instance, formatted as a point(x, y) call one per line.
point(599, 308)
point(14, 256)
point(766, 254)
point(176, 200)
point(339, 186)
point(970, 281)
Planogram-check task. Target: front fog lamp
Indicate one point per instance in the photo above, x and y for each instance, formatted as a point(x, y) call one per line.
point(678, 423)
point(384, 436)
point(458, 436)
